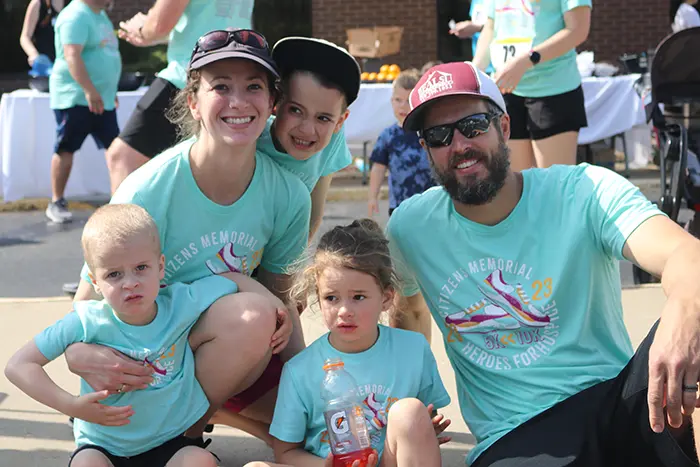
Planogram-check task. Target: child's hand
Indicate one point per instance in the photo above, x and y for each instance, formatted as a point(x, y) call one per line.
point(95, 103)
point(372, 207)
point(88, 408)
point(372, 461)
point(280, 338)
point(440, 423)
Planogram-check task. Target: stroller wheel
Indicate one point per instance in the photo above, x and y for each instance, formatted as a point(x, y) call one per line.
point(642, 277)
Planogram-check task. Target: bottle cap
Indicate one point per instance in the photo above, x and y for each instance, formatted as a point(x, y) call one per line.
point(333, 363)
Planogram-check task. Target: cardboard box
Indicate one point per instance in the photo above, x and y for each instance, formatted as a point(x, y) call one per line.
point(374, 42)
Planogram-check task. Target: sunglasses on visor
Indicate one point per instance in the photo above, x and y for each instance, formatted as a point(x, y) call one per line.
point(470, 126)
point(215, 40)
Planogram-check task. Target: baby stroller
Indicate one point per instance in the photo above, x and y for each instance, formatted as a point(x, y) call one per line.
point(674, 109)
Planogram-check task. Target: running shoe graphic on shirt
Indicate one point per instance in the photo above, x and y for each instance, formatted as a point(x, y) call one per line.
point(227, 261)
point(503, 307)
point(375, 412)
point(514, 301)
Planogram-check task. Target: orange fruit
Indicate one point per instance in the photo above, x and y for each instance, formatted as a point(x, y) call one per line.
point(372, 77)
point(364, 76)
point(390, 77)
point(381, 77)
point(394, 69)
point(384, 69)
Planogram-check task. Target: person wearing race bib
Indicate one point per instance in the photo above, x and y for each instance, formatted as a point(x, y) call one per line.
point(521, 273)
point(531, 45)
point(221, 207)
point(472, 27)
point(181, 22)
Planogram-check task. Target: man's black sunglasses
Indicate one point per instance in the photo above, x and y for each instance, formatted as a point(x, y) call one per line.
point(470, 126)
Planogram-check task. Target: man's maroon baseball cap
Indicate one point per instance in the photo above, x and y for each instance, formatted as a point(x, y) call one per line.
point(450, 79)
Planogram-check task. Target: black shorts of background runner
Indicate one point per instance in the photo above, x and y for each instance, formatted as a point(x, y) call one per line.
point(606, 425)
point(148, 130)
point(541, 117)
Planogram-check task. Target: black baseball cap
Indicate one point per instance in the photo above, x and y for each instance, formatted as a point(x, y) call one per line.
point(232, 43)
point(323, 58)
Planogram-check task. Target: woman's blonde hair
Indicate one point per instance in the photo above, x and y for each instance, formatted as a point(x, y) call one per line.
point(360, 246)
point(179, 113)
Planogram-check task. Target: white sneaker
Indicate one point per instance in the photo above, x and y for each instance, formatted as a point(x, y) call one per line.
point(58, 211)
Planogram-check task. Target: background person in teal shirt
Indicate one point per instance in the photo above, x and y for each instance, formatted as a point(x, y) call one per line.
point(181, 22)
point(472, 27)
point(521, 272)
point(82, 89)
point(531, 45)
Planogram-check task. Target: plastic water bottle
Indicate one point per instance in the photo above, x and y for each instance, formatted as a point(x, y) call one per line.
point(42, 66)
point(345, 419)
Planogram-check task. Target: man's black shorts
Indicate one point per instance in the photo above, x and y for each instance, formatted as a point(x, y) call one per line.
point(606, 425)
point(541, 117)
point(148, 130)
point(156, 457)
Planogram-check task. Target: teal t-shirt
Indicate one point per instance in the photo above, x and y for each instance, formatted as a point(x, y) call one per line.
point(399, 365)
point(77, 24)
point(267, 226)
point(200, 17)
point(530, 308)
point(520, 25)
point(174, 401)
point(334, 157)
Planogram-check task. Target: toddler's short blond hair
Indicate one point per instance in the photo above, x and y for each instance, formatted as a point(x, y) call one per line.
point(407, 79)
point(116, 224)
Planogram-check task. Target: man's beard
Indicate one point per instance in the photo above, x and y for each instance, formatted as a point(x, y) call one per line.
point(473, 190)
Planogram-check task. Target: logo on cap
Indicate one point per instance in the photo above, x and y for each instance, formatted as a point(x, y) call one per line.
point(436, 83)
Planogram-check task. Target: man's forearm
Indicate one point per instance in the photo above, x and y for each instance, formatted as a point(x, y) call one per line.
point(78, 71)
point(682, 270)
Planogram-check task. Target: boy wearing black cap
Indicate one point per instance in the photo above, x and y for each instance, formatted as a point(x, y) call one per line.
point(319, 81)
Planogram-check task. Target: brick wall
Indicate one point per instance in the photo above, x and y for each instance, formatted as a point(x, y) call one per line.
point(626, 26)
point(330, 19)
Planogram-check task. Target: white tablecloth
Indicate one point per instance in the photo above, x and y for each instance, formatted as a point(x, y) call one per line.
point(612, 107)
point(27, 138)
point(28, 127)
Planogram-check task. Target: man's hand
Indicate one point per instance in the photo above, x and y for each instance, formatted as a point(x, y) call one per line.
point(465, 29)
point(95, 103)
point(440, 424)
point(103, 368)
point(674, 361)
point(89, 408)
